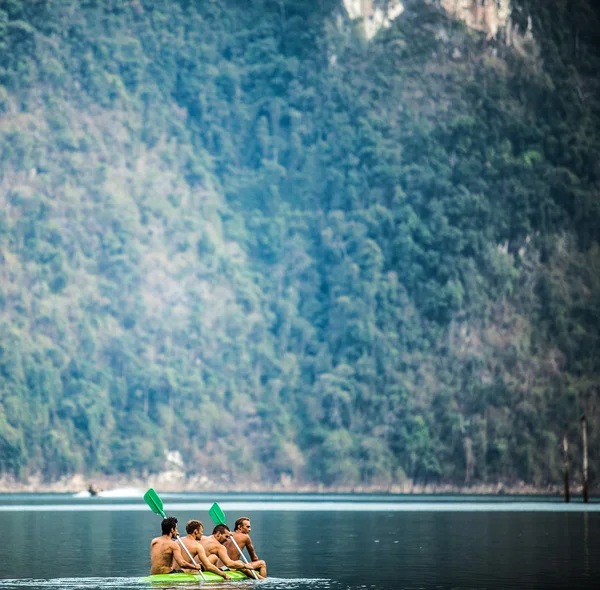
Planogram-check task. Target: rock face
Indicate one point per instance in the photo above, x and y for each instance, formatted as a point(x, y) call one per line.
point(485, 15)
point(489, 16)
point(374, 14)
point(492, 17)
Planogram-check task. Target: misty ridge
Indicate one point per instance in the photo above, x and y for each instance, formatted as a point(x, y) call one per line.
point(250, 241)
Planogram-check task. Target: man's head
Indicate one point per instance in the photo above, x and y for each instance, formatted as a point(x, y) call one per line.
point(221, 533)
point(242, 525)
point(169, 526)
point(194, 528)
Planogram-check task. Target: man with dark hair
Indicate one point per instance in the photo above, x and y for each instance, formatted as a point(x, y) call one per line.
point(194, 529)
point(241, 535)
point(165, 555)
point(214, 546)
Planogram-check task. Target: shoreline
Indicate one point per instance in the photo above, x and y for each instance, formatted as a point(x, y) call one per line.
point(177, 482)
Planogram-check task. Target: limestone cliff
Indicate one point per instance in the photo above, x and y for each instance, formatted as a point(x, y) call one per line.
point(374, 14)
point(489, 16)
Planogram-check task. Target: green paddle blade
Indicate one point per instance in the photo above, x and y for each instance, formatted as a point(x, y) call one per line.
point(155, 503)
point(217, 514)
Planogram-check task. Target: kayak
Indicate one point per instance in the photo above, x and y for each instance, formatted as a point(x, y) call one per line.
point(189, 577)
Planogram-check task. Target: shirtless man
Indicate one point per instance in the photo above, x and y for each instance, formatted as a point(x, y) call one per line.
point(241, 534)
point(216, 552)
point(166, 555)
point(194, 529)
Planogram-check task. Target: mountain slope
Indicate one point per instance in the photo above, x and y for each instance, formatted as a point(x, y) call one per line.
point(242, 232)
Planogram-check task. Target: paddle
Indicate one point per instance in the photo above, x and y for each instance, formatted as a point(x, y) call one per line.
point(156, 505)
point(218, 517)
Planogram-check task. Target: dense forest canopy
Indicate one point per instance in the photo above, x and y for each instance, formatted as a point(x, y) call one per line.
point(240, 230)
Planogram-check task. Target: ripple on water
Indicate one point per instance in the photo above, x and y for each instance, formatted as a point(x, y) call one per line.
point(60, 583)
point(125, 583)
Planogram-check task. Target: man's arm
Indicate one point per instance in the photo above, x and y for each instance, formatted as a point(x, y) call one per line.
point(180, 560)
point(230, 563)
point(250, 547)
point(208, 566)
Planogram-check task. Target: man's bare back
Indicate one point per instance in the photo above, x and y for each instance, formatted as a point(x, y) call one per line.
point(161, 555)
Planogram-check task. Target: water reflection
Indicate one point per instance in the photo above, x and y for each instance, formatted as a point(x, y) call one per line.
point(129, 583)
point(586, 545)
point(383, 548)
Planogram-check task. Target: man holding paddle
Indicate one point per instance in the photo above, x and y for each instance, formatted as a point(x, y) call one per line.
point(241, 535)
point(194, 529)
point(165, 554)
point(214, 546)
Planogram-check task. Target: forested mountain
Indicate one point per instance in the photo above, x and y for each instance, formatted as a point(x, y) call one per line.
point(240, 230)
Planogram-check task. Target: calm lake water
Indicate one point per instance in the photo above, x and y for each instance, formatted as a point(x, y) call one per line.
point(310, 542)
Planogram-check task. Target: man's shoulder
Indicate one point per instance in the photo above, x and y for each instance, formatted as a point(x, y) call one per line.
point(193, 542)
point(162, 542)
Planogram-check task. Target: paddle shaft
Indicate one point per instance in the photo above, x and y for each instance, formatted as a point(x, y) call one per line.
point(243, 557)
point(190, 556)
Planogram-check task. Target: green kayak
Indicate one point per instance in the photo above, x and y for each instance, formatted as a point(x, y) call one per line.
point(183, 577)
